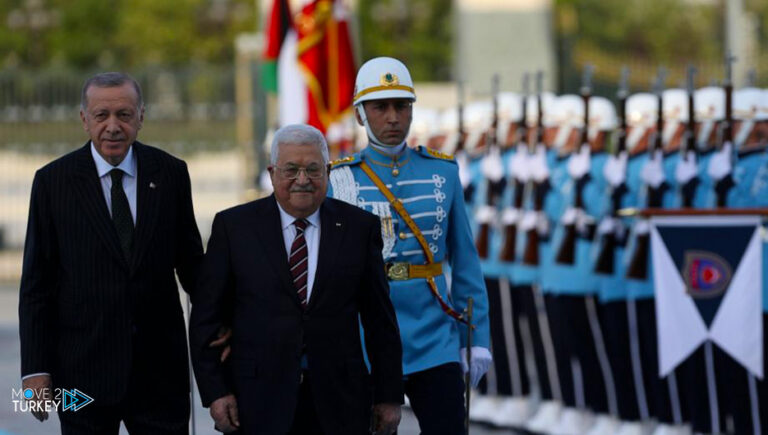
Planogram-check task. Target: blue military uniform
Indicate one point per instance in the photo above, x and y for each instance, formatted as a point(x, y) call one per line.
point(427, 183)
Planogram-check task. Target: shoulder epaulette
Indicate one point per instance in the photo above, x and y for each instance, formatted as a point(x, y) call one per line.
point(344, 161)
point(429, 152)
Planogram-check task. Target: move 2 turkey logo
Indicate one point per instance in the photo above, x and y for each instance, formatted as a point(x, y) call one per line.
point(706, 274)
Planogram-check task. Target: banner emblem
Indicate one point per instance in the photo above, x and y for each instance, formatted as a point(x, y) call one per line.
point(706, 274)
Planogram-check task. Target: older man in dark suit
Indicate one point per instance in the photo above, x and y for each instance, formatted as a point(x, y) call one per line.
point(292, 274)
point(99, 306)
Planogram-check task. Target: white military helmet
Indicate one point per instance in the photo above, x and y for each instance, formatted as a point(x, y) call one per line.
point(709, 106)
point(423, 126)
point(478, 117)
point(532, 109)
point(510, 110)
point(602, 114)
point(709, 103)
point(675, 103)
point(747, 103)
point(642, 113)
point(567, 114)
point(378, 79)
point(383, 78)
point(675, 113)
point(448, 130)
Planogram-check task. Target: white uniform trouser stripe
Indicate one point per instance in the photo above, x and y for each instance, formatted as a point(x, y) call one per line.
point(714, 410)
point(754, 402)
point(602, 355)
point(637, 362)
point(549, 346)
point(490, 379)
point(578, 384)
point(509, 337)
point(674, 399)
point(529, 357)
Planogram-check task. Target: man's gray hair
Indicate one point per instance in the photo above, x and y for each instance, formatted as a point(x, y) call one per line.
point(109, 80)
point(299, 134)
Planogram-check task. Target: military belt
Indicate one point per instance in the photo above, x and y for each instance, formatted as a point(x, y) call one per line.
point(402, 271)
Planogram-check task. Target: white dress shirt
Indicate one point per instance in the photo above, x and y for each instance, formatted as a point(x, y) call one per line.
point(311, 235)
point(129, 168)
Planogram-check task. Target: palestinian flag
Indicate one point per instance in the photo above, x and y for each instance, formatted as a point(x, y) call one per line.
point(279, 24)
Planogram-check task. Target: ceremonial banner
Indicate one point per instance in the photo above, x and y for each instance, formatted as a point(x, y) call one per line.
point(708, 284)
point(326, 62)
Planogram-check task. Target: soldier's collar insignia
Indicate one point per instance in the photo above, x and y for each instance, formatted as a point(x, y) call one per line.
point(389, 79)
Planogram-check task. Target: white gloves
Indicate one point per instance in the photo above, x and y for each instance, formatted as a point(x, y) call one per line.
point(720, 165)
point(518, 164)
point(578, 163)
point(485, 214)
point(687, 168)
point(481, 362)
point(652, 173)
point(538, 169)
point(615, 169)
point(491, 166)
point(464, 176)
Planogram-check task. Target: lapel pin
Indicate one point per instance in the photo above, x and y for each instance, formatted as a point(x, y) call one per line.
point(152, 185)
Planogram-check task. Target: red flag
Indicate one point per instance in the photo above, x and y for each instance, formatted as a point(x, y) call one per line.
point(326, 60)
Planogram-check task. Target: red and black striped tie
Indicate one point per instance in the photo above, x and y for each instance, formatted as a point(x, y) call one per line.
point(298, 261)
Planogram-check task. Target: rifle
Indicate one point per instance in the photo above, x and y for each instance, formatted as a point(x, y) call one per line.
point(688, 190)
point(606, 257)
point(723, 185)
point(494, 188)
point(567, 252)
point(536, 188)
point(638, 264)
point(461, 156)
point(510, 229)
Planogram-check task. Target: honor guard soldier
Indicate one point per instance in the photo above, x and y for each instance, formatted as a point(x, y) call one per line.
point(618, 312)
point(568, 273)
point(418, 197)
point(654, 145)
point(507, 385)
point(533, 231)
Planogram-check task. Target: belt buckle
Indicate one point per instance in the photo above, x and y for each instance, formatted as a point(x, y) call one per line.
point(397, 271)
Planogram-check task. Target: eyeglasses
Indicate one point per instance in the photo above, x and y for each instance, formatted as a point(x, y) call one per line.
point(292, 172)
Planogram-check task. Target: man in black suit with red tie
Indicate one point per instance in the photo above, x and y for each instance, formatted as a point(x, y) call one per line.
point(99, 307)
point(292, 274)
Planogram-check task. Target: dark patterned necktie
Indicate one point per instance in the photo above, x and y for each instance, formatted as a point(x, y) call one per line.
point(298, 261)
point(121, 213)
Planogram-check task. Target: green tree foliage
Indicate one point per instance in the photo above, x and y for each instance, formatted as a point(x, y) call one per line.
point(121, 33)
point(418, 32)
point(655, 30)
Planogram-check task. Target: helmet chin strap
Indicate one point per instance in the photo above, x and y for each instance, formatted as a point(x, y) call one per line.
point(385, 148)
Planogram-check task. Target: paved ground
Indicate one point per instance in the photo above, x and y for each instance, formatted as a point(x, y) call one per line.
point(13, 423)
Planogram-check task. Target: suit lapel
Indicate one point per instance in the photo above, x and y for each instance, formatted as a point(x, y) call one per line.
point(89, 191)
point(269, 230)
point(148, 184)
point(332, 229)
